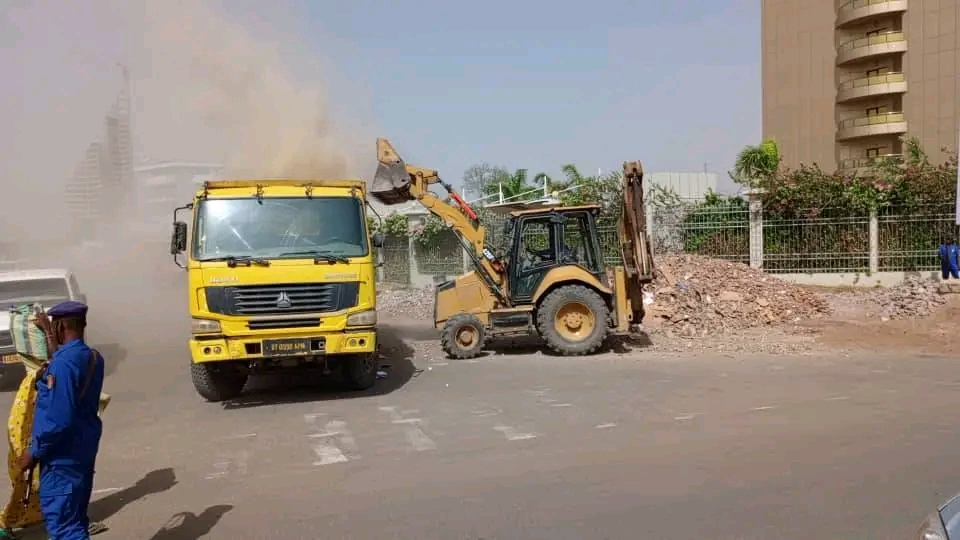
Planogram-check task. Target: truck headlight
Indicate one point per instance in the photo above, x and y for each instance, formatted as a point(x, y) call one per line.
point(204, 326)
point(932, 528)
point(364, 318)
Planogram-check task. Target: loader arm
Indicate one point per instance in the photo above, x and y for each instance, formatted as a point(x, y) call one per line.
point(396, 182)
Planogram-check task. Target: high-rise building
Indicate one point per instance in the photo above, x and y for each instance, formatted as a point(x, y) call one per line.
point(102, 181)
point(845, 80)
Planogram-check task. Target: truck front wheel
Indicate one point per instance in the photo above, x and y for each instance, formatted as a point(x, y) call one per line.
point(219, 381)
point(360, 370)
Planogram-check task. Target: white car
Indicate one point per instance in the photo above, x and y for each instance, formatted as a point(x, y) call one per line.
point(46, 287)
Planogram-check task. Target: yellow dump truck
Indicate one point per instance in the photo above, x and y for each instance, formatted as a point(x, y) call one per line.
point(281, 275)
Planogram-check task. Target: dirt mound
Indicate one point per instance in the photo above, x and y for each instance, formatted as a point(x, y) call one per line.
point(696, 296)
point(405, 303)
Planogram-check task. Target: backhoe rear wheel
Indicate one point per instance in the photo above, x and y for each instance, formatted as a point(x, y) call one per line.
point(463, 337)
point(573, 320)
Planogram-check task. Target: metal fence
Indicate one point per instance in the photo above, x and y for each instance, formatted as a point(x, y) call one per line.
point(821, 241)
point(808, 241)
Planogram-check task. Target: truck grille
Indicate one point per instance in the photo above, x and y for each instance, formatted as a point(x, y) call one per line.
point(282, 299)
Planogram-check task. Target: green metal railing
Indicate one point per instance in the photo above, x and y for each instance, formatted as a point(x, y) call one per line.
point(885, 78)
point(873, 120)
point(876, 39)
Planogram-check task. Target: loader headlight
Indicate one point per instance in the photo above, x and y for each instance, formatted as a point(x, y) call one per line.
point(364, 318)
point(204, 326)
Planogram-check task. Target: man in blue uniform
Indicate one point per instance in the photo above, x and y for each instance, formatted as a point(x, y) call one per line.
point(949, 255)
point(66, 427)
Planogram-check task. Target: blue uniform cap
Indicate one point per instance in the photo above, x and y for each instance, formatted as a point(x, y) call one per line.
point(70, 308)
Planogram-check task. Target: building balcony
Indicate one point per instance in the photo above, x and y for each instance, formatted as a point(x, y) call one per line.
point(868, 46)
point(875, 85)
point(871, 126)
point(856, 164)
point(858, 10)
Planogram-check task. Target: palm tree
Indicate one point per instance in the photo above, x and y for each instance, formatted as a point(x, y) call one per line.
point(514, 188)
point(756, 163)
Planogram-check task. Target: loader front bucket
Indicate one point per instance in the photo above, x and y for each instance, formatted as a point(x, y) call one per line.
point(391, 183)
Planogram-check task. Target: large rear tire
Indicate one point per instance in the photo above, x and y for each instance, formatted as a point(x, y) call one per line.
point(463, 337)
point(219, 381)
point(360, 370)
point(572, 320)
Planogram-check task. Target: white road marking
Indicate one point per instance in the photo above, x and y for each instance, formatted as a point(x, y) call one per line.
point(837, 398)
point(685, 417)
point(764, 408)
point(561, 405)
point(439, 363)
point(105, 490)
point(513, 435)
point(605, 426)
point(325, 446)
point(418, 440)
point(229, 461)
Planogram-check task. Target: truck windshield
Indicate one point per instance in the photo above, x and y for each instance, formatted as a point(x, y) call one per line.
point(28, 291)
point(278, 228)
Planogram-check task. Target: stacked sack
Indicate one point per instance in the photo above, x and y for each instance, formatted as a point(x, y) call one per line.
point(28, 340)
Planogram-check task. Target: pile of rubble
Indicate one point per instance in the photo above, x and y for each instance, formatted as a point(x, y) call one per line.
point(696, 296)
point(913, 298)
point(405, 303)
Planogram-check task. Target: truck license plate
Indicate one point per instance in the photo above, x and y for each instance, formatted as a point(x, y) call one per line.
point(286, 347)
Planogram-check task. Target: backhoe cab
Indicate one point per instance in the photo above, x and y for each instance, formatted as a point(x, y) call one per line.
point(552, 281)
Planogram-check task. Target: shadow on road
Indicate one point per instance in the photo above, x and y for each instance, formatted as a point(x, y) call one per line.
point(190, 526)
point(396, 362)
point(154, 482)
point(534, 344)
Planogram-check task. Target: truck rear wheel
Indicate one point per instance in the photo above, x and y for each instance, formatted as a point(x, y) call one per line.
point(218, 381)
point(573, 320)
point(463, 337)
point(360, 370)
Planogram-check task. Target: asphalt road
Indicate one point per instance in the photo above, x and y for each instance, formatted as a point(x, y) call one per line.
point(531, 447)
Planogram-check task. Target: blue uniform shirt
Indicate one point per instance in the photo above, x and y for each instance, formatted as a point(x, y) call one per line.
point(66, 428)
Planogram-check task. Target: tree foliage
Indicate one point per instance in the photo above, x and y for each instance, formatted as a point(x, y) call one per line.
point(478, 178)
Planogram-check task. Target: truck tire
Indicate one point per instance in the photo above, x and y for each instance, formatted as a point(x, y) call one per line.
point(572, 320)
point(218, 382)
point(360, 370)
point(463, 337)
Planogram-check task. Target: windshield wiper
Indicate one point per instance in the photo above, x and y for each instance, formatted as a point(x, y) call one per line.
point(318, 256)
point(240, 260)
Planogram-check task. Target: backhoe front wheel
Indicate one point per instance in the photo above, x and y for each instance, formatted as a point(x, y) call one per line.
point(218, 381)
point(573, 320)
point(463, 337)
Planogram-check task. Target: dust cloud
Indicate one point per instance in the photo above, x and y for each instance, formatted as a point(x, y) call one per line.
point(206, 85)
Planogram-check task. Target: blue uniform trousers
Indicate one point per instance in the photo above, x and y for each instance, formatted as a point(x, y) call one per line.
point(65, 492)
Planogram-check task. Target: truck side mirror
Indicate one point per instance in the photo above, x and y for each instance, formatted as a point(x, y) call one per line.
point(378, 239)
point(178, 242)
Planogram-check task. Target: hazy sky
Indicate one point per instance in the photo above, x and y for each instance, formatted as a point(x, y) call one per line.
point(537, 84)
point(306, 89)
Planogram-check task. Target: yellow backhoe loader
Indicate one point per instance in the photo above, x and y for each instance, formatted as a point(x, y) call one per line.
point(552, 280)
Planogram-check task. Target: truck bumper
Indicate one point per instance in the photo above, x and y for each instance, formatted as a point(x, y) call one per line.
point(247, 348)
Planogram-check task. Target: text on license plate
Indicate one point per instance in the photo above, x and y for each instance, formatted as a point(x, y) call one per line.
point(285, 347)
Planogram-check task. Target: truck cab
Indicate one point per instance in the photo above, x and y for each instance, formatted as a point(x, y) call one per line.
point(281, 275)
